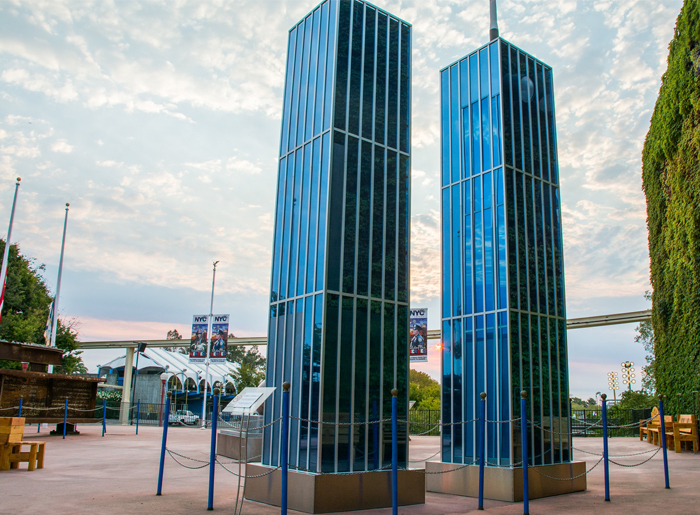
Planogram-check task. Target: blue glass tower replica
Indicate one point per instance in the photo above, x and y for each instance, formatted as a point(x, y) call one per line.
point(503, 309)
point(339, 303)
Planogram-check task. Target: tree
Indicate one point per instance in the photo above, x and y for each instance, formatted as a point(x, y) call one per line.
point(645, 336)
point(424, 390)
point(251, 370)
point(26, 310)
point(173, 334)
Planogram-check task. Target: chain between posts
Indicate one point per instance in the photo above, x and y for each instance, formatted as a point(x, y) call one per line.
point(567, 478)
point(636, 464)
point(172, 454)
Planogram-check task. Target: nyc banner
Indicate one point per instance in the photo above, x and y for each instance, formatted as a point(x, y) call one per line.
point(219, 339)
point(198, 341)
point(419, 334)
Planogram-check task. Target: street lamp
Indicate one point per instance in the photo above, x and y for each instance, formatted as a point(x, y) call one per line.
point(628, 373)
point(163, 379)
point(613, 384)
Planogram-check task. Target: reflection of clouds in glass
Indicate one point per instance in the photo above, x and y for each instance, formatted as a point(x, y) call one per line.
point(527, 89)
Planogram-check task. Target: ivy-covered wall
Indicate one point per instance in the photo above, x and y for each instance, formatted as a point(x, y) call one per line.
point(671, 183)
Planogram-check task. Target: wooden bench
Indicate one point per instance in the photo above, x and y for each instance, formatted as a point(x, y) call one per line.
point(652, 425)
point(11, 443)
point(655, 432)
point(686, 430)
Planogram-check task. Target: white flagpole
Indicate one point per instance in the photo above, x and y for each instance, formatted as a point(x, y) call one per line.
point(54, 323)
point(3, 271)
point(206, 370)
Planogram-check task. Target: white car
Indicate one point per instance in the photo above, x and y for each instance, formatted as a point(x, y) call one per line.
point(183, 417)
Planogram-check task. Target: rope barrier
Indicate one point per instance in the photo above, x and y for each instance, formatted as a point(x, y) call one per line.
point(636, 464)
point(567, 478)
point(172, 454)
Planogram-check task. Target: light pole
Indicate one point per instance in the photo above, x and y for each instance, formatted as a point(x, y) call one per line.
point(628, 373)
point(209, 336)
point(163, 379)
point(613, 384)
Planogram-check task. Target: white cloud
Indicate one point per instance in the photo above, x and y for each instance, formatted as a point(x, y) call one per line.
point(62, 145)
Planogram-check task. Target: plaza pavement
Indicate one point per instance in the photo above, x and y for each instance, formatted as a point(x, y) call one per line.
point(118, 474)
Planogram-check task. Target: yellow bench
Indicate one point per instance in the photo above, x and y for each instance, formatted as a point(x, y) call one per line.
point(686, 430)
point(652, 425)
point(11, 443)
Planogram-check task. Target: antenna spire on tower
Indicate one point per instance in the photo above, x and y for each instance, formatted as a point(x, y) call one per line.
point(493, 33)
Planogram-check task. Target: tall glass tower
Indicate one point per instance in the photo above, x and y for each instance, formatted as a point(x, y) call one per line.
point(503, 310)
point(339, 297)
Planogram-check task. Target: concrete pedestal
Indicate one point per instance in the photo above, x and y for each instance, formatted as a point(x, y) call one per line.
point(327, 493)
point(506, 484)
point(230, 443)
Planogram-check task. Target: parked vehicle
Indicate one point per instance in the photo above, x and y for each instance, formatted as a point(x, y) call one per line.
point(183, 417)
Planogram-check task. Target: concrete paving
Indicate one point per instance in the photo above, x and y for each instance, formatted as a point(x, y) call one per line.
point(119, 473)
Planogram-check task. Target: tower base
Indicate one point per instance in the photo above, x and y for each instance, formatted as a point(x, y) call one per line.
point(506, 484)
point(327, 493)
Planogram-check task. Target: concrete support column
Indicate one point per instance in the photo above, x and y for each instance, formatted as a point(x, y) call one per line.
point(126, 389)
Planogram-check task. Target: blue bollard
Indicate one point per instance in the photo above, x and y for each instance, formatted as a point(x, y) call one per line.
point(482, 449)
point(138, 412)
point(21, 401)
point(104, 417)
point(523, 441)
point(394, 454)
point(663, 439)
point(212, 454)
point(285, 447)
point(65, 419)
point(605, 447)
point(166, 422)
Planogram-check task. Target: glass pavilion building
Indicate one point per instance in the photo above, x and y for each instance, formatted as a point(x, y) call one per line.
point(503, 310)
point(339, 303)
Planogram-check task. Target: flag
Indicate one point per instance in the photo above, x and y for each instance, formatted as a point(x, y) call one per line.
point(49, 325)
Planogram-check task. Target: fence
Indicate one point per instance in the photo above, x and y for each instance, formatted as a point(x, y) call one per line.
point(583, 422)
point(424, 422)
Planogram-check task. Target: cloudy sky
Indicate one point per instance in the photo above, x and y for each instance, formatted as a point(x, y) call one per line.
point(159, 122)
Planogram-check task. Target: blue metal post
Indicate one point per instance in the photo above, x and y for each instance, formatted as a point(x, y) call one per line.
point(523, 441)
point(394, 454)
point(482, 449)
point(663, 438)
point(285, 446)
point(21, 401)
point(606, 465)
point(138, 415)
point(65, 418)
point(166, 422)
point(104, 417)
point(212, 454)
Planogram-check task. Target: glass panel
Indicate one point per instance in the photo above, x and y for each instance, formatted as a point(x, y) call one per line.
point(526, 92)
point(511, 238)
point(335, 218)
point(354, 109)
point(486, 133)
point(446, 275)
point(313, 63)
point(493, 53)
point(295, 380)
point(279, 371)
point(322, 212)
point(341, 82)
point(516, 380)
point(313, 215)
point(474, 78)
point(279, 224)
point(316, 381)
point(359, 405)
point(522, 241)
point(556, 364)
point(445, 96)
point(507, 114)
point(390, 232)
point(330, 374)
point(330, 59)
point(289, 79)
point(502, 278)
point(551, 129)
point(551, 298)
point(378, 223)
point(478, 250)
point(401, 375)
point(393, 91)
point(464, 83)
point(545, 382)
point(287, 226)
point(375, 374)
point(446, 403)
point(271, 348)
point(484, 72)
point(368, 76)
point(304, 79)
point(468, 263)
point(476, 139)
point(531, 244)
point(404, 121)
point(489, 279)
point(350, 216)
point(345, 373)
point(541, 103)
point(534, 117)
point(470, 413)
point(496, 129)
point(526, 377)
point(303, 236)
point(456, 250)
point(536, 370)
point(541, 273)
point(467, 142)
point(321, 74)
point(516, 103)
point(403, 229)
point(388, 373)
point(365, 219)
point(491, 389)
point(504, 385)
point(563, 388)
point(479, 358)
point(454, 126)
point(457, 389)
point(380, 99)
point(296, 212)
point(306, 382)
point(297, 86)
point(558, 254)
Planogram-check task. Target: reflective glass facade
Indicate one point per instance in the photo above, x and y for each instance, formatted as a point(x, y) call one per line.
point(339, 298)
point(503, 309)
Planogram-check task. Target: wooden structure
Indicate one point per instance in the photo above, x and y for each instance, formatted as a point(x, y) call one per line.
point(11, 443)
point(651, 427)
point(43, 395)
point(686, 430)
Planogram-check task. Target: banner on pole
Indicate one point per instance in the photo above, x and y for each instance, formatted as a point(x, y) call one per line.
point(219, 339)
point(419, 334)
point(198, 341)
